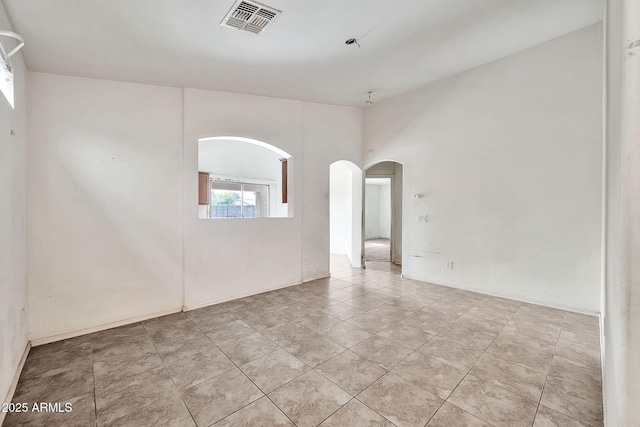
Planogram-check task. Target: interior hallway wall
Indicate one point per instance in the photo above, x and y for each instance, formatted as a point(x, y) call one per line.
point(385, 211)
point(507, 158)
point(105, 186)
point(13, 223)
point(621, 284)
point(340, 201)
point(372, 212)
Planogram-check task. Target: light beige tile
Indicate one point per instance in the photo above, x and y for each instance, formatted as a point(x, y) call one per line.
point(435, 377)
point(309, 399)
point(275, 369)
point(262, 412)
point(287, 333)
point(529, 356)
point(549, 418)
point(581, 323)
point(583, 377)
point(583, 348)
point(355, 414)
point(467, 337)
point(346, 334)
point(451, 416)
point(381, 351)
point(391, 312)
point(400, 401)
point(170, 328)
point(406, 335)
point(264, 320)
point(363, 303)
point(208, 318)
point(526, 330)
point(351, 372)
point(230, 331)
point(196, 368)
point(428, 322)
point(317, 321)
point(510, 376)
point(314, 350)
point(170, 351)
point(451, 353)
point(51, 349)
point(214, 399)
point(294, 310)
point(493, 404)
point(371, 322)
point(248, 348)
point(168, 412)
point(342, 311)
point(479, 324)
point(123, 397)
point(568, 398)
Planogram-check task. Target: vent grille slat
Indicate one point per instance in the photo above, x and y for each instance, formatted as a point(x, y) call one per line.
point(249, 16)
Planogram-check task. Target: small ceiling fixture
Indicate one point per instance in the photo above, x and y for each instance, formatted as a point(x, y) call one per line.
point(352, 41)
point(369, 101)
point(249, 16)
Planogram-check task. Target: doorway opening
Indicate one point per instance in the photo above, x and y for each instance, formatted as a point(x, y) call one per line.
point(382, 227)
point(377, 231)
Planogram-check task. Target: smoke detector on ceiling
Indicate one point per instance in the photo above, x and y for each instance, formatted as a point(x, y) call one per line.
point(249, 16)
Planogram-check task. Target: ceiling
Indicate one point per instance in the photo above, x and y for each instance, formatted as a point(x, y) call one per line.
point(302, 54)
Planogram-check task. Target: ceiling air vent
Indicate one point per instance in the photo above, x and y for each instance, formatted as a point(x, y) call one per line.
point(249, 16)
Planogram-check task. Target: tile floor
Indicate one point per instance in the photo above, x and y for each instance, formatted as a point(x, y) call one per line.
point(364, 348)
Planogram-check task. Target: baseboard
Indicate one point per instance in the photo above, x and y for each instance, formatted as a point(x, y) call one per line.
point(313, 279)
point(14, 383)
point(511, 297)
point(247, 294)
point(77, 333)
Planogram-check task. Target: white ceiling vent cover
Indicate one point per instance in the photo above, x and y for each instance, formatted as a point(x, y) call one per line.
point(249, 16)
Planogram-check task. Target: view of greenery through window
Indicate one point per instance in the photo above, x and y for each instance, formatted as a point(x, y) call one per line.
point(239, 200)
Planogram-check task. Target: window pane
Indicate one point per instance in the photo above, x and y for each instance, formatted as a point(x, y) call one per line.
point(226, 200)
point(256, 201)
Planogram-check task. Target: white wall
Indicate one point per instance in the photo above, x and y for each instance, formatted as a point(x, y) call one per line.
point(378, 211)
point(621, 291)
point(279, 251)
point(341, 195)
point(346, 211)
point(105, 186)
point(385, 211)
point(398, 203)
point(229, 258)
point(508, 159)
point(330, 133)
point(114, 166)
point(372, 212)
point(13, 224)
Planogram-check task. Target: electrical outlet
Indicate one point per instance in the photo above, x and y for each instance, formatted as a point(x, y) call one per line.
point(306, 261)
point(422, 218)
point(449, 265)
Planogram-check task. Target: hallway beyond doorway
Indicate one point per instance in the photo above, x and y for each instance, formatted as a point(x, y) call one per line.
point(377, 250)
